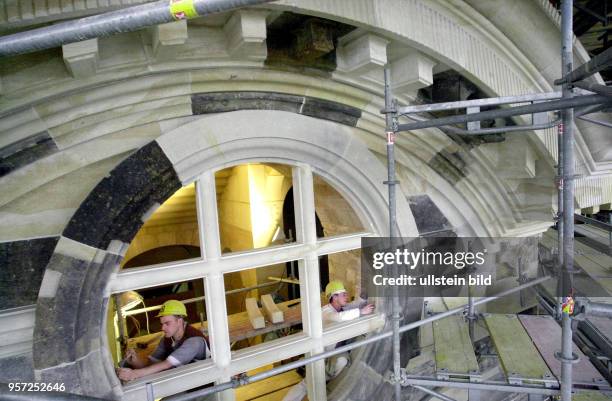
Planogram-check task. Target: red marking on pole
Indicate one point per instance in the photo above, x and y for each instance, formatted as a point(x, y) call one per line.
point(560, 129)
point(390, 138)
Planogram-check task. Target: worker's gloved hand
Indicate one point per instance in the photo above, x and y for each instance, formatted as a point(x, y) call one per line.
point(366, 310)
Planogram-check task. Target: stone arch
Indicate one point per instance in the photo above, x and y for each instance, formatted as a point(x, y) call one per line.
point(69, 345)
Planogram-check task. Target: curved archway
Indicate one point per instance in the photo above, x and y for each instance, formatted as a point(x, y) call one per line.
point(75, 290)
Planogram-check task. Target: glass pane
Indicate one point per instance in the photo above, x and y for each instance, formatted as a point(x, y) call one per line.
point(343, 270)
point(170, 234)
point(334, 215)
point(132, 321)
point(253, 206)
point(263, 304)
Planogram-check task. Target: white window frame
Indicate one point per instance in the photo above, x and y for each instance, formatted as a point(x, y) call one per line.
point(213, 264)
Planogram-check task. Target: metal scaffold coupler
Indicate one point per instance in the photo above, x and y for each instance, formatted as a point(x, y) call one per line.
point(402, 379)
point(240, 380)
point(574, 359)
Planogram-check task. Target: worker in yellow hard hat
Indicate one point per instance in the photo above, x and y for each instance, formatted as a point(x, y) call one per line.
point(338, 309)
point(180, 345)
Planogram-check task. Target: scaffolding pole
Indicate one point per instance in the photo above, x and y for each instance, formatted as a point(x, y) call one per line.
point(390, 120)
point(566, 355)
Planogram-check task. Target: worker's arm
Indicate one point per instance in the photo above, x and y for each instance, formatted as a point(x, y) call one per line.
point(329, 314)
point(128, 374)
point(135, 362)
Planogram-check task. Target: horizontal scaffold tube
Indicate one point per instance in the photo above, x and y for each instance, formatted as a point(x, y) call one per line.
point(119, 21)
point(578, 101)
point(375, 338)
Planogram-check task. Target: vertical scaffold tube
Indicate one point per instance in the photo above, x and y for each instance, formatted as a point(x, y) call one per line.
point(568, 199)
point(395, 317)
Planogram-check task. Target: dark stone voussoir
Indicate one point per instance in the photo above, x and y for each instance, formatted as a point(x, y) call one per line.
point(112, 210)
point(22, 265)
point(26, 151)
point(221, 102)
point(426, 214)
point(56, 317)
point(333, 111)
point(449, 165)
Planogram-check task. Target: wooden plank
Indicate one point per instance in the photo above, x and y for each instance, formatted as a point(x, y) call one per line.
point(587, 262)
point(518, 355)
point(255, 316)
point(271, 311)
point(267, 386)
point(589, 395)
point(453, 346)
point(546, 335)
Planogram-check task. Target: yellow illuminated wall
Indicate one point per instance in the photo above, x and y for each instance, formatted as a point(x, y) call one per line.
point(250, 215)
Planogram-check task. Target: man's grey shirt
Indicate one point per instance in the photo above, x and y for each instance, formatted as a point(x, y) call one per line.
point(193, 348)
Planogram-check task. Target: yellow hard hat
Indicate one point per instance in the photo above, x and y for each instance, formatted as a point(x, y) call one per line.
point(172, 307)
point(334, 287)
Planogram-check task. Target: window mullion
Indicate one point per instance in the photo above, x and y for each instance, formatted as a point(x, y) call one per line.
point(208, 221)
point(303, 199)
point(306, 233)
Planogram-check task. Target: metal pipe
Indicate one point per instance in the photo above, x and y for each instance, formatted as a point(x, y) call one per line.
point(596, 64)
point(201, 393)
point(568, 198)
point(150, 392)
point(594, 87)
point(500, 130)
point(597, 309)
point(454, 130)
point(375, 338)
point(391, 182)
point(493, 101)
point(433, 393)
point(598, 122)
point(491, 386)
point(599, 224)
point(578, 101)
point(471, 313)
point(119, 21)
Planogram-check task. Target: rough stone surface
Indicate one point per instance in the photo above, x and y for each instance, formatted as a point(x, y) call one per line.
point(94, 379)
point(108, 213)
point(451, 166)
point(91, 306)
point(16, 368)
point(218, 102)
point(22, 265)
point(427, 215)
point(67, 374)
point(26, 151)
point(56, 318)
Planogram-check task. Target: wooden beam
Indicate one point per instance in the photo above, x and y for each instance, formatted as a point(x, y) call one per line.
point(255, 316)
point(272, 312)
